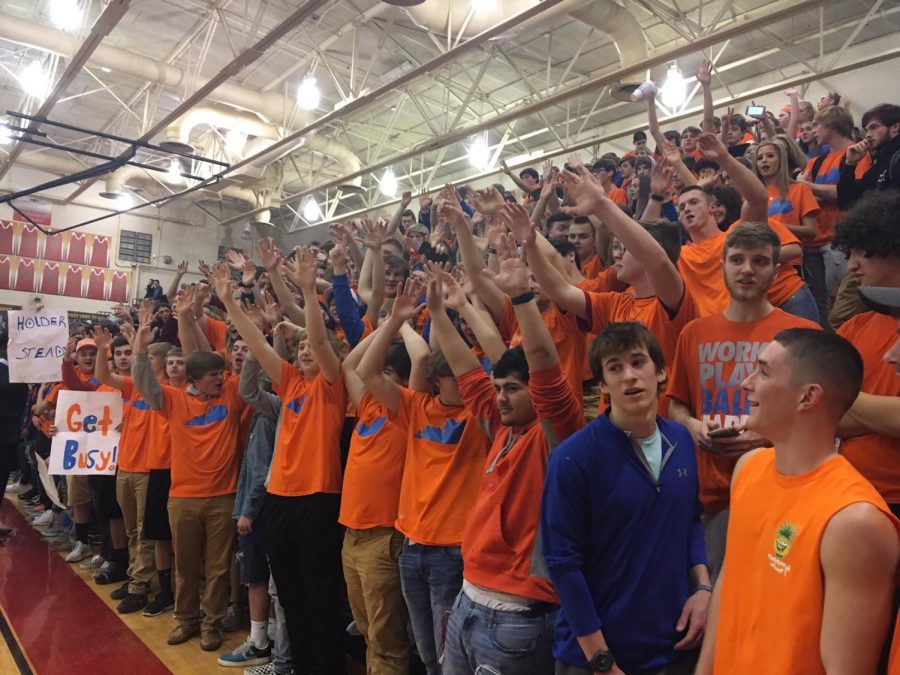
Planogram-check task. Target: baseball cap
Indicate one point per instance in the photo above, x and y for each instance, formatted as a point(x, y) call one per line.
point(85, 342)
point(883, 299)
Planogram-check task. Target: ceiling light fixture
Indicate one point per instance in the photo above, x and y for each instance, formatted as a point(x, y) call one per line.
point(311, 210)
point(173, 173)
point(484, 6)
point(235, 140)
point(388, 183)
point(65, 14)
point(35, 80)
point(122, 201)
point(308, 94)
point(674, 89)
point(479, 152)
point(5, 132)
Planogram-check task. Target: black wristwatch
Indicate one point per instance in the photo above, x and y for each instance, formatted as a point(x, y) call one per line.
point(601, 662)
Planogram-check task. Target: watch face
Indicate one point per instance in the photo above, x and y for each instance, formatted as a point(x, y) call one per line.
point(602, 662)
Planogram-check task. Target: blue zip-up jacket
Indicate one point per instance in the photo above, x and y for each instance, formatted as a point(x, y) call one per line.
point(347, 309)
point(619, 544)
point(252, 479)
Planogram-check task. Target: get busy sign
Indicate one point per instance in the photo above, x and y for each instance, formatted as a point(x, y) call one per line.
point(87, 440)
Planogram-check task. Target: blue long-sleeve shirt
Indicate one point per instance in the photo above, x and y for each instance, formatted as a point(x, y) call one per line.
point(347, 309)
point(619, 544)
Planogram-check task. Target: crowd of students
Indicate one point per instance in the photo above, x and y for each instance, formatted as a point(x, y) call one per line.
point(509, 433)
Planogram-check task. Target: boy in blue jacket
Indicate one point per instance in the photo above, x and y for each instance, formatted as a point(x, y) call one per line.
point(620, 525)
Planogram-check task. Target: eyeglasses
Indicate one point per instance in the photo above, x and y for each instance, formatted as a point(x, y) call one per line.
point(618, 249)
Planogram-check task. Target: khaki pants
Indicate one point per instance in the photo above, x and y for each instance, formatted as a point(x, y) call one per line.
point(201, 525)
point(372, 573)
point(131, 493)
point(78, 490)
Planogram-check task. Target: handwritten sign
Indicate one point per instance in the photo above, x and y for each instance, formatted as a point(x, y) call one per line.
point(37, 342)
point(86, 442)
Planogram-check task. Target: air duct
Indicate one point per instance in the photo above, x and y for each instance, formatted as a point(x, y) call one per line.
point(115, 182)
point(605, 15)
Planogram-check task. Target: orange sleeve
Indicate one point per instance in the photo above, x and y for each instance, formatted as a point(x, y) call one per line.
point(480, 400)
point(404, 408)
point(599, 310)
point(555, 403)
point(786, 236)
point(618, 196)
point(679, 379)
point(807, 202)
point(509, 324)
point(215, 334)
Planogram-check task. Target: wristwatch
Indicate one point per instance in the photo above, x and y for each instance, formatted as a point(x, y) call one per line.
point(601, 662)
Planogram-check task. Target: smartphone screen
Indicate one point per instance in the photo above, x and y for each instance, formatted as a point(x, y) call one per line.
point(756, 110)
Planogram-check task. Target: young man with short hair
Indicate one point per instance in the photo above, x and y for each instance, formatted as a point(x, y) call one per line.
point(620, 525)
point(639, 140)
point(811, 561)
point(558, 226)
point(527, 407)
point(882, 143)
point(713, 356)
point(604, 170)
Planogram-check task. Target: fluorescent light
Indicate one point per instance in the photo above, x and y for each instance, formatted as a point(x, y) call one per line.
point(5, 132)
point(311, 210)
point(388, 183)
point(65, 14)
point(173, 174)
point(234, 142)
point(123, 201)
point(674, 89)
point(35, 80)
point(484, 5)
point(479, 152)
point(308, 94)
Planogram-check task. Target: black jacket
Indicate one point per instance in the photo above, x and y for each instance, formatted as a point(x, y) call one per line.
point(883, 174)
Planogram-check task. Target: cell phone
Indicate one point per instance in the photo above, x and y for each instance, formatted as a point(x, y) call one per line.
point(756, 111)
point(727, 432)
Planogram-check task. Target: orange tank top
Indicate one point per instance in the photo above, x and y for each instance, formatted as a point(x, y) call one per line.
point(772, 590)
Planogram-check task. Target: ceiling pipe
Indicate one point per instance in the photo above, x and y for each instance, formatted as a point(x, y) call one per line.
point(605, 15)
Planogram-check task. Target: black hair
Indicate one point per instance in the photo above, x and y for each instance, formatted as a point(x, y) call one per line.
point(702, 164)
point(397, 262)
point(643, 160)
point(607, 165)
point(618, 337)
point(692, 130)
point(408, 214)
point(610, 155)
point(639, 136)
point(667, 234)
point(512, 364)
point(731, 200)
point(565, 248)
point(872, 226)
point(200, 363)
point(398, 359)
point(886, 113)
point(529, 172)
point(118, 341)
point(818, 356)
point(558, 218)
point(438, 366)
point(627, 160)
point(584, 220)
point(690, 163)
point(673, 136)
point(740, 121)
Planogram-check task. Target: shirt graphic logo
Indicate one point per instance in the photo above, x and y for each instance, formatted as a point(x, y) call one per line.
point(449, 434)
point(213, 415)
point(784, 540)
point(296, 405)
point(364, 430)
point(682, 473)
point(140, 404)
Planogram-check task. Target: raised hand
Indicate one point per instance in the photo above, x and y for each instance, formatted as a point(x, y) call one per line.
point(434, 299)
point(235, 259)
point(454, 295)
point(505, 167)
point(287, 330)
point(204, 268)
point(856, 152)
point(711, 147)
point(704, 73)
point(182, 268)
point(448, 193)
point(254, 313)
point(671, 152)
point(127, 331)
point(102, 337)
point(488, 201)
point(513, 277)
point(405, 200)
point(454, 215)
point(338, 258)
point(145, 332)
point(586, 193)
point(145, 312)
point(661, 178)
point(375, 234)
point(575, 162)
point(302, 269)
point(271, 310)
point(515, 218)
point(248, 273)
point(269, 256)
point(425, 201)
point(221, 279)
point(406, 305)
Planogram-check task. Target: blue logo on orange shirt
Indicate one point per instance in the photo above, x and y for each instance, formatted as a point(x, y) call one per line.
point(780, 206)
point(296, 405)
point(830, 177)
point(140, 404)
point(364, 430)
point(450, 433)
point(215, 414)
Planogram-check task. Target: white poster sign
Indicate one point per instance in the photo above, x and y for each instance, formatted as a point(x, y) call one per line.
point(37, 342)
point(87, 437)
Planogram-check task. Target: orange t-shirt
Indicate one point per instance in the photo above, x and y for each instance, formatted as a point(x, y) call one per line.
point(772, 588)
point(700, 264)
point(204, 431)
point(593, 268)
point(875, 456)
point(618, 196)
point(566, 336)
point(374, 469)
point(829, 173)
point(794, 207)
point(307, 457)
point(445, 457)
point(712, 358)
point(605, 280)
point(216, 332)
point(136, 440)
point(894, 661)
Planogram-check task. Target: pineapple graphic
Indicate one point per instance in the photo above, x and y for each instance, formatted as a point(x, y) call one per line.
point(784, 539)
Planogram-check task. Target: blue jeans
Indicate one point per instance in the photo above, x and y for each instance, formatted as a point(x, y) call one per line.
point(802, 304)
point(430, 577)
point(510, 643)
point(281, 649)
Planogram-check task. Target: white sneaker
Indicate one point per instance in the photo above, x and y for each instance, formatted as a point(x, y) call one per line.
point(17, 488)
point(79, 552)
point(44, 519)
point(93, 564)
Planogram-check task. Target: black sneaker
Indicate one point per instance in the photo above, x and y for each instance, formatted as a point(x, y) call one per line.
point(132, 603)
point(160, 604)
point(121, 592)
point(28, 496)
point(112, 576)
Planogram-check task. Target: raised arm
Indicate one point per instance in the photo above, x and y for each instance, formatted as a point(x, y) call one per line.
point(180, 271)
point(347, 309)
point(419, 353)
point(756, 199)
point(270, 258)
point(101, 368)
point(794, 120)
point(704, 77)
point(590, 197)
point(256, 397)
point(188, 325)
point(398, 214)
point(653, 120)
point(141, 374)
point(356, 388)
point(371, 276)
point(458, 354)
point(513, 177)
point(485, 330)
point(302, 272)
point(256, 341)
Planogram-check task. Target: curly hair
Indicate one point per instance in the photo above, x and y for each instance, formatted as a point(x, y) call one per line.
point(871, 226)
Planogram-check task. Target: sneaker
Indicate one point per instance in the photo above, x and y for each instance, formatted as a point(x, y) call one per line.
point(52, 533)
point(107, 565)
point(94, 563)
point(121, 592)
point(183, 633)
point(79, 552)
point(28, 495)
point(210, 639)
point(268, 669)
point(43, 519)
point(247, 655)
point(132, 603)
point(161, 603)
point(34, 501)
point(17, 488)
point(112, 576)
point(63, 544)
point(233, 619)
